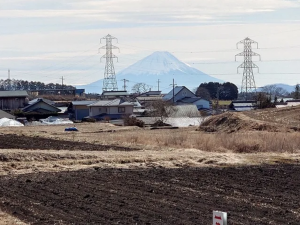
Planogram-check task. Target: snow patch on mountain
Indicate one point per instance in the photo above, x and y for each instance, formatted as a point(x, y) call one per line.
point(159, 65)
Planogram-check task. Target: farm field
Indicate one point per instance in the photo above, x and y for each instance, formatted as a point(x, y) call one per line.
point(106, 174)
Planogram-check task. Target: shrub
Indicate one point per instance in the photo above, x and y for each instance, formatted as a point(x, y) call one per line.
point(106, 119)
point(90, 120)
point(133, 121)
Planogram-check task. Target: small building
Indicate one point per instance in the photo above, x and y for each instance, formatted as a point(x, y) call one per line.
point(79, 109)
point(11, 100)
point(40, 106)
point(243, 105)
point(6, 115)
point(114, 109)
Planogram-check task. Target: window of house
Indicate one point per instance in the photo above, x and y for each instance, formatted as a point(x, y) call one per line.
point(121, 109)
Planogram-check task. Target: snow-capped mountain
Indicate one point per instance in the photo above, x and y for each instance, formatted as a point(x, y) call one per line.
point(159, 65)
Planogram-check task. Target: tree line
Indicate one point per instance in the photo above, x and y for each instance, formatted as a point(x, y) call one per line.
point(216, 90)
point(17, 85)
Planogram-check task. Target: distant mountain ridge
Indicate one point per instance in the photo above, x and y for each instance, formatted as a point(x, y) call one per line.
point(159, 65)
point(287, 87)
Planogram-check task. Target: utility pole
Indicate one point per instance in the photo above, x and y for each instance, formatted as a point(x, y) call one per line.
point(173, 84)
point(248, 82)
point(62, 82)
point(9, 83)
point(124, 80)
point(109, 82)
point(158, 81)
point(218, 98)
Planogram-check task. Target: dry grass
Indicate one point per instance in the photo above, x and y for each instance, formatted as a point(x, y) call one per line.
point(250, 142)
point(239, 142)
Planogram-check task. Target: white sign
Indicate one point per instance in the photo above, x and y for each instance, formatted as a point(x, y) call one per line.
point(219, 218)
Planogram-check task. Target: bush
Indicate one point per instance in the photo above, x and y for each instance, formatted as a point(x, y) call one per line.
point(90, 120)
point(133, 121)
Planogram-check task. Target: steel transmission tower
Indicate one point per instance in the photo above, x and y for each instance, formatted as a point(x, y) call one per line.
point(109, 82)
point(248, 82)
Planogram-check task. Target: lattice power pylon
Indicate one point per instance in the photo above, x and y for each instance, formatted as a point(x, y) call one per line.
point(109, 82)
point(248, 82)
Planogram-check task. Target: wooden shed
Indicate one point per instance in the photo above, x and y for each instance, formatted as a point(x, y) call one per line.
point(11, 100)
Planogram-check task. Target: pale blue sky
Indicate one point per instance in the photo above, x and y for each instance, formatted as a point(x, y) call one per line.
point(46, 39)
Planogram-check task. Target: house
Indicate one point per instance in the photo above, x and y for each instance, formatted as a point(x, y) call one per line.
point(40, 106)
point(181, 95)
point(114, 109)
point(243, 105)
point(147, 98)
point(114, 94)
point(6, 115)
point(79, 109)
point(11, 100)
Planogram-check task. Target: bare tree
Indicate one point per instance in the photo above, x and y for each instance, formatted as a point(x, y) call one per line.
point(161, 110)
point(140, 88)
point(274, 90)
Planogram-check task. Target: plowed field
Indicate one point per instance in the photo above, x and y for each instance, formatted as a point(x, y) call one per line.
point(12, 141)
point(251, 195)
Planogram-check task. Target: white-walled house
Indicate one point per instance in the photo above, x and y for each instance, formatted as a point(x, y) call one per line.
point(114, 109)
point(183, 96)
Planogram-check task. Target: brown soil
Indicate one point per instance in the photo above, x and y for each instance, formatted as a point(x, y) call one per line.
point(251, 195)
point(235, 121)
point(12, 141)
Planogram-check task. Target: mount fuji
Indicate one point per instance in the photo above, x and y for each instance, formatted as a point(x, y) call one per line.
point(159, 65)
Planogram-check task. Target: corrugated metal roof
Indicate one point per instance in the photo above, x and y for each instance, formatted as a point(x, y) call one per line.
point(149, 98)
point(151, 93)
point(115, 102)
point(244, 105)
point(7, 94)
point(115, 93)
point(82, 102)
